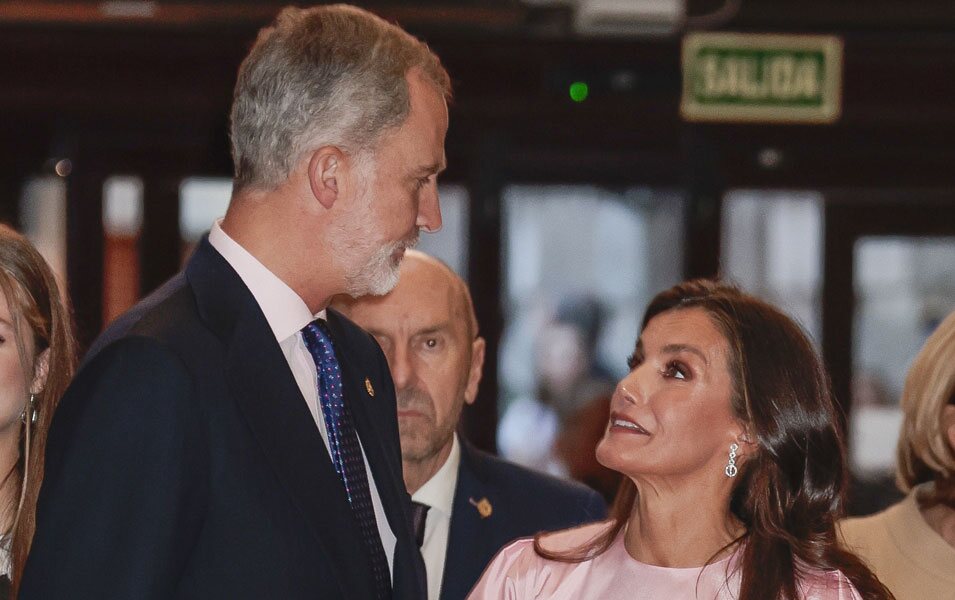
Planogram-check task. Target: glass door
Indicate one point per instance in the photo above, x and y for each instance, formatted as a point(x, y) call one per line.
point(889, 279)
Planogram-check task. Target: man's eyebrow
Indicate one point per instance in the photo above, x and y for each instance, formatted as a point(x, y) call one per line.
point(430, 169)
point(677, 348)
point(432, 329)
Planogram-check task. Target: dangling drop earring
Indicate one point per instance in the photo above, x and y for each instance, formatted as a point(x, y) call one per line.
point(731, 469)
point(29, 412)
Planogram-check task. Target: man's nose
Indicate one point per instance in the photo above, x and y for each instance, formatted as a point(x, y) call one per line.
point(402, 368)
point(429, 209)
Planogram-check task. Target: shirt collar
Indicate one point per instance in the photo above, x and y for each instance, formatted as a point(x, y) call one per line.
point(438, 492)
point(284, 310)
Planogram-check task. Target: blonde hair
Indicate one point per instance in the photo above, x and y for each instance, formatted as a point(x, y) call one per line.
point(326, 75)
point(37, 309)
point(923, 452)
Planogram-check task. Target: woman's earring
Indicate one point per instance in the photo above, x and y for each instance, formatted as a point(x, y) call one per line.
point(731, 469)
point(29, 411)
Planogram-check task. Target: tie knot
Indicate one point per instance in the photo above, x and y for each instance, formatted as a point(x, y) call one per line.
point(317, 337)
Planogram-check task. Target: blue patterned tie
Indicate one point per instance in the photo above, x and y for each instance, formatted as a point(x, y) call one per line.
point(345, 449)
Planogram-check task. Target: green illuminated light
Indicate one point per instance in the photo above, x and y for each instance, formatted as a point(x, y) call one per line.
point(579, 91)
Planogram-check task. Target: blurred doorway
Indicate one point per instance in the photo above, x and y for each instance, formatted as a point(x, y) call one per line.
point(888, 279)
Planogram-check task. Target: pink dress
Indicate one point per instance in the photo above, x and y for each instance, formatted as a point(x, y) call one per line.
point(519, 573)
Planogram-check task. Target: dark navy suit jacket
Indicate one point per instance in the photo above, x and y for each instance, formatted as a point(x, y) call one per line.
point(522, 502)
point(183, 461)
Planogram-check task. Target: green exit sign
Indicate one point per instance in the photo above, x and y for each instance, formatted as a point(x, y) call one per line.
point(762, 77)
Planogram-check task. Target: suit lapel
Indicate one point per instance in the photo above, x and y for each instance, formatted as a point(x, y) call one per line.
point(383, 462)
point(376, 422)
point(265, 391)
point(469, 530)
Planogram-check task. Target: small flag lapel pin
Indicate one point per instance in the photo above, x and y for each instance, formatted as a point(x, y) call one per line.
point(483, 507)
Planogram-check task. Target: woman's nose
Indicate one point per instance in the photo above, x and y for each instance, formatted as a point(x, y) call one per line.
point(637, 385)
point(627, 389)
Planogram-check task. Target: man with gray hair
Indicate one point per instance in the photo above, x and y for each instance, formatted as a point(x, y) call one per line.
point(230, 437)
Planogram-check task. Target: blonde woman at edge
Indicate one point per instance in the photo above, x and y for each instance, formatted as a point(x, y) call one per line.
point(37, 359)
point(911, 545)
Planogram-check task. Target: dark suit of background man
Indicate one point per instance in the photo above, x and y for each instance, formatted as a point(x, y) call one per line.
point(193, 456)
point(476, 503)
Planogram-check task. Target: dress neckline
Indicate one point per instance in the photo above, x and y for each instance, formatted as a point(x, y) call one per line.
point(619, 548)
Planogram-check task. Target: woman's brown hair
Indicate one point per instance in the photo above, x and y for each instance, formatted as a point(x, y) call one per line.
point(791, 490)
point(34, 300)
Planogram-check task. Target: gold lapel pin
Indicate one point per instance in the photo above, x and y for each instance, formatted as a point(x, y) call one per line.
point(368, 388)
point(483, 507)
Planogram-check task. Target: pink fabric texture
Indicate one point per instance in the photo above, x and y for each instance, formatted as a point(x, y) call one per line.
point(518, 573)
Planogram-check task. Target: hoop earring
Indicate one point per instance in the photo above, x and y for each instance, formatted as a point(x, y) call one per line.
point(29, 411)
point(731, 469)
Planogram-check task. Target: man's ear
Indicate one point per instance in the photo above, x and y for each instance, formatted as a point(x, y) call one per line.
point(475, 371)
point(41, 369)
point(324, 171)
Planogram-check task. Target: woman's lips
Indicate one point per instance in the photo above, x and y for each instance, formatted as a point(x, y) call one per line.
point(625, 424)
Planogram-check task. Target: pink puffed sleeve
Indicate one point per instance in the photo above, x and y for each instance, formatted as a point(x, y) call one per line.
point(512, 574)
point(832, 585)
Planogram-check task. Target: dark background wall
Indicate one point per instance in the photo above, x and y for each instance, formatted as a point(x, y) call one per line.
point(150, 95)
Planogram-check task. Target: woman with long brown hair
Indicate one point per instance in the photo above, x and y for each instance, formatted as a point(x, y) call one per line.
point(37, 359)
point(734, 470)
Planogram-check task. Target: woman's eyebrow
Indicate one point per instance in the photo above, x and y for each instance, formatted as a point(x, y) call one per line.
point(677, 348)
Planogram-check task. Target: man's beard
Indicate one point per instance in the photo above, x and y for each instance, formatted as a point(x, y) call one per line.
point(421, 437)
point(379, 275)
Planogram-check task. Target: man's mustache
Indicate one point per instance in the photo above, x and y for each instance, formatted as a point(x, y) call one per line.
point(415, 399)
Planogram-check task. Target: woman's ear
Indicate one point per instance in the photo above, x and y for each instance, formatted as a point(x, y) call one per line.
point(948, 425)
point(41, 369)
point(746, 442)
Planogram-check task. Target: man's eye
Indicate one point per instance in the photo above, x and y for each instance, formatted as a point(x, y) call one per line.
point(431, 343)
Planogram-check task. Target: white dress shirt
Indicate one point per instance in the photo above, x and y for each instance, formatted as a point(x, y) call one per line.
point(287, 314)
point(438, 493)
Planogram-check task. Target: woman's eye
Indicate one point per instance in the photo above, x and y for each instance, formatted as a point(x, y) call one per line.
point(676, 371)
point(431, 343)
point(633, 360)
